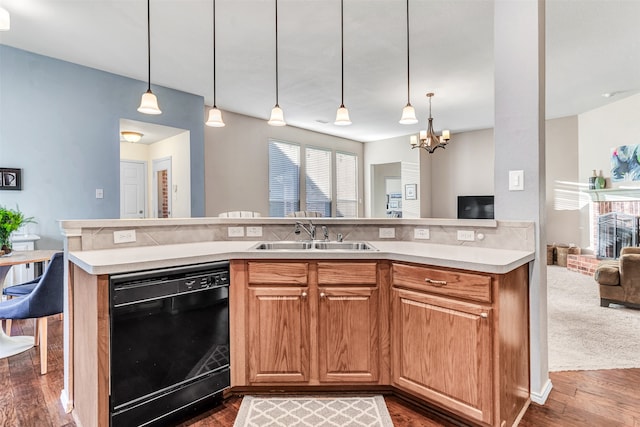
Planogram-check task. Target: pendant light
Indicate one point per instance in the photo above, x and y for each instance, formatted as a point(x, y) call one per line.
point(215, 115)
point(5, 19)
point(149, 102)
point(408, 112)
point(342, 115)
point(277, 115)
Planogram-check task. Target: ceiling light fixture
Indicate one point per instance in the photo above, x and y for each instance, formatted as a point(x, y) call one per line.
point(408, 112)
point(131, 136)
point(215, 115)
point(5, 19)
point(277, 115)
point(342, 115)
point(428, 138)
point(149, 102)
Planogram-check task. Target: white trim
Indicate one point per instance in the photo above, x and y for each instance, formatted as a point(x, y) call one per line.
point(67, 405)
point(541, 397)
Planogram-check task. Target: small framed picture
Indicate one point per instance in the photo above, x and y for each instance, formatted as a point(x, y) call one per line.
point(10, 179)
point(411, 191)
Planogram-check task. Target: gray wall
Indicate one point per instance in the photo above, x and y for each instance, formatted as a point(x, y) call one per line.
point(59, 122)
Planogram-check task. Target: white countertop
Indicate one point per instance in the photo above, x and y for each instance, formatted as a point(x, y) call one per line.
point(111, 261)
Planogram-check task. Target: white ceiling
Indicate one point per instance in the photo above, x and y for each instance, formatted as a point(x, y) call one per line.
point(593, 47)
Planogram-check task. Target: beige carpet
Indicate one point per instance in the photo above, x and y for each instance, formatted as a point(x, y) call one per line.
point(583, 335)
point(288, 411)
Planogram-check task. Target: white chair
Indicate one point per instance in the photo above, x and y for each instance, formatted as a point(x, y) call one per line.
point(239, 214)
point(305, 214)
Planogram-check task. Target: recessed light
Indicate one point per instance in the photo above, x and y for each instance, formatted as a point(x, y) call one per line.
point(609, 94)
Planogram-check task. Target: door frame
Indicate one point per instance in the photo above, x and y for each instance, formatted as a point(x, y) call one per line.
point(166, 163)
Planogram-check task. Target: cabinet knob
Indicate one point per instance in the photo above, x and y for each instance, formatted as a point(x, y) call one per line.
point(323, 295)
point(304, 294)
point(436, 282)
point(484, 315)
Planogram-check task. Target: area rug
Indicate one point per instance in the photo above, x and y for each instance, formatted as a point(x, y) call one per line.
point(296, 411)
point(583, 335)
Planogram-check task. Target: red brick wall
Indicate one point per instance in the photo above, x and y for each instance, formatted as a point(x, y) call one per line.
point(585, 264)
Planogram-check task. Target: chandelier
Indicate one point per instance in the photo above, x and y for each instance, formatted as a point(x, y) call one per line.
point(428, 138)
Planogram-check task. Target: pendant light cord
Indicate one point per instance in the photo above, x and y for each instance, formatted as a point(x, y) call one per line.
point(277, 103)
point(214, 53)
point(408, 96)
point(342, 53)
point(149, 44)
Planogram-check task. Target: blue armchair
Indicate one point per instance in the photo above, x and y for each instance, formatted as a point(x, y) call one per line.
point(45, 299)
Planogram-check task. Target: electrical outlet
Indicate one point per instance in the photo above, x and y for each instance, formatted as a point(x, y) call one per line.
point(387, 233)
point(254, 231)
point(235, 231)
point(421, 233)
point(466, 235)
point(124, 236)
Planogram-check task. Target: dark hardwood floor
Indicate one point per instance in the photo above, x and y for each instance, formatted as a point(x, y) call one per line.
point(605, 398)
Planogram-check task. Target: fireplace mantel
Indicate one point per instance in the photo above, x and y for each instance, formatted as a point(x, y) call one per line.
point(620, 194)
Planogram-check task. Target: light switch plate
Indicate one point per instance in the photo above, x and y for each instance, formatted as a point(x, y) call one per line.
point(99, 193)
point(516, 180)
point(254, 231)
point(421, 233)
point(466, 235)
point(124, 236)
point(235, 231)
point(387, 233)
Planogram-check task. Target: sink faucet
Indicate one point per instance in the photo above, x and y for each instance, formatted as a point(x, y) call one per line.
point(311, 231)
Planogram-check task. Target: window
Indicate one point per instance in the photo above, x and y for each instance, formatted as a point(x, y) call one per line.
point(284, 178)
point(318, 180)
point(346, 185)
point(328, 189)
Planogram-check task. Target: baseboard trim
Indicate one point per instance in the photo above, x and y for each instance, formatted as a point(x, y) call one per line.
point(541, 397)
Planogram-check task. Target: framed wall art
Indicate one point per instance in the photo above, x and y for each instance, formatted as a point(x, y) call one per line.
point(411, 191)
point(10, 179)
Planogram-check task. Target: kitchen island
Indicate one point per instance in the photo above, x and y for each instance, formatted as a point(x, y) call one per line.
point(442, 325)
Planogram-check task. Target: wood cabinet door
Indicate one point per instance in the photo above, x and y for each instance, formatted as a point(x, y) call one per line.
point(278, 326)
point(441, 351)
point(348, 342)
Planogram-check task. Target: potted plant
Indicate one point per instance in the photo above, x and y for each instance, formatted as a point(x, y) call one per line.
point(10, 221)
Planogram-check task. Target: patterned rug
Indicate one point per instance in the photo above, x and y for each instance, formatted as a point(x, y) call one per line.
point(288, 411)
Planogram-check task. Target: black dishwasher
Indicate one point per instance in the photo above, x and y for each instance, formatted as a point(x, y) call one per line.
point(169, 342)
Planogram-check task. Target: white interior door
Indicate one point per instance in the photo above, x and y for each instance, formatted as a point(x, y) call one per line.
point(133, 183)
point(162, 187)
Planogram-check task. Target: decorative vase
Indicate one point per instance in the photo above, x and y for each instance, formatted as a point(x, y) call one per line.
point(600, 182)
point(592, 181)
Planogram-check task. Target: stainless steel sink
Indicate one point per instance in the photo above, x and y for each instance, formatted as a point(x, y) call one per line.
point(345, 246)
point(284, 246)
point(305, 245)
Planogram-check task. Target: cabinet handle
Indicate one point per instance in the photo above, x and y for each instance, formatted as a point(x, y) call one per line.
point(436, 282)
point(484, 315)
point(304, 294)
point(323, 295)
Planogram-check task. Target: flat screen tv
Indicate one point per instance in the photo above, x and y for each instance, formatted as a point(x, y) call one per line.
point(475, 207)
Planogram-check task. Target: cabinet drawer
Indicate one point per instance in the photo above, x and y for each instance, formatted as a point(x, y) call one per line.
point(347, 273)
point(280, 273)
point(453, 283)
